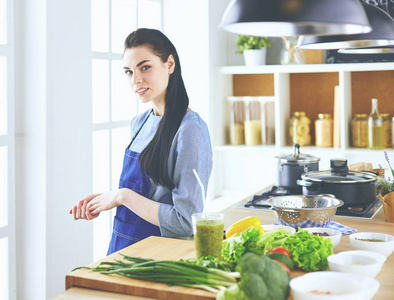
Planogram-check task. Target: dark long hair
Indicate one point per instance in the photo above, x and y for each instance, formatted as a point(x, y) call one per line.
point(154, 158)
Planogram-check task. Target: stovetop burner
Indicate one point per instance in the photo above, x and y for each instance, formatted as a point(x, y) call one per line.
point(257, 202)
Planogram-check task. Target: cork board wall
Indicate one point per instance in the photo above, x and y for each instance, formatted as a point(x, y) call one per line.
point(253, 85)
point(368, 85)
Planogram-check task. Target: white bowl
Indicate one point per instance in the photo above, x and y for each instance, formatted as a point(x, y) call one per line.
point(359, 262)
point(335, 285)
point(274, 227)
point(334, 235)
point(386, 247)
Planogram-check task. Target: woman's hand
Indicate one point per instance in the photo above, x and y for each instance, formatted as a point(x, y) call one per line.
point(79, 211)
point(104, 202)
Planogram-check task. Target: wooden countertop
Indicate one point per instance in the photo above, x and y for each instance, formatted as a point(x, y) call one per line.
point(157, 248)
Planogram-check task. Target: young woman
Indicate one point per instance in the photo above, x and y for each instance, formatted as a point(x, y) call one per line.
point(158, 191)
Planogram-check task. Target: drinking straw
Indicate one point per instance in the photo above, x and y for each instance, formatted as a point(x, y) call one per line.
point(202, 190)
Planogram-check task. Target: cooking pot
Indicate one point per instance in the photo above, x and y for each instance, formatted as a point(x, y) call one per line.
point(290, 168)
point(356, 189)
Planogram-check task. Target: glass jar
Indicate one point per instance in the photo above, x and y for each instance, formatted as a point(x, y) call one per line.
point(375, 128)
point(360, 131)
point(237, 119)
point(386, 118)
point(324, 130)
point(299, 130)
point(252, 121)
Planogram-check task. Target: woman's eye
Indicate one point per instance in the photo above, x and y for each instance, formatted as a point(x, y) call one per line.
point(144, 68)
point(128, 72)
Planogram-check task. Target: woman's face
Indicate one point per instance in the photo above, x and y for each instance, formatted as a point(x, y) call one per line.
point(148, 75)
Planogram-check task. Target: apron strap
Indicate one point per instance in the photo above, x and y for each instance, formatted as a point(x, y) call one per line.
point(139, 129)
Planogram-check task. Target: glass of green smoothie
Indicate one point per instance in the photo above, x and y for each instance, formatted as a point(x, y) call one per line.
point(208, 233)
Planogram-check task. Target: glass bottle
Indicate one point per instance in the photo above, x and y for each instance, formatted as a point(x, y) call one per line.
point(375, 128)
point(360, 131)
point(299, 130)
point(324, 130)
point(386, 118)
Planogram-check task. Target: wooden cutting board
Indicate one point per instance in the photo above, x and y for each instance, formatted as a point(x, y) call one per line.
point(152, 247)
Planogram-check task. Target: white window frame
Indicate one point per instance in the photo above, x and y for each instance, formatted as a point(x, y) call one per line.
point(106, 220)
point(8, 141)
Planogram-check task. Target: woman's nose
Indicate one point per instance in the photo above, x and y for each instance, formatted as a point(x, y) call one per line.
point(136, 78)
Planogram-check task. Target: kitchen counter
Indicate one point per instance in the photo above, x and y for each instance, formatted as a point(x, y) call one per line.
point(157, 248)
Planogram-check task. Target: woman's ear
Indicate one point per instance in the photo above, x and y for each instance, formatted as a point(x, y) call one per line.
point(171, 64)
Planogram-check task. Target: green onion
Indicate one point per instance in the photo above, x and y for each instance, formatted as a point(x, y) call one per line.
point(182, 273)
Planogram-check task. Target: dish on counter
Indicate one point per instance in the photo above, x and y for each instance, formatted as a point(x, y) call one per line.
point(373, 241)
point(274, 227)
point(334, 235)
point(329, 285)
point(359, 262)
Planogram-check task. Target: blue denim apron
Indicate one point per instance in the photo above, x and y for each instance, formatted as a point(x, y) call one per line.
point(129, 228)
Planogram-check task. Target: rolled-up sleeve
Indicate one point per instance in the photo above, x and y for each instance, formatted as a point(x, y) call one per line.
point(191, 149)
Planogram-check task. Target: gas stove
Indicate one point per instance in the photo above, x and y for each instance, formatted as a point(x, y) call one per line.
point(367, 212)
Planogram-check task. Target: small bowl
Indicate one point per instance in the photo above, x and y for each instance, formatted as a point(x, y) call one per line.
point(329, 285)
point(274, 227)
point(364, 241)
point(334, 235)
point(359, 262)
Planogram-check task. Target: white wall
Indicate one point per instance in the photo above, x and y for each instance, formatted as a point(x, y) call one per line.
point(53, 144)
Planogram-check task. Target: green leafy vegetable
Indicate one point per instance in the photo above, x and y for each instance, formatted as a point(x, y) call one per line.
point(309, 252)
point(270, 240)
point(233, 248)
point(261, 278)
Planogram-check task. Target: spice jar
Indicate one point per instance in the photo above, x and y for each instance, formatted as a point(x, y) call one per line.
point(360, 131)
point(252, 121)
point(324, 130)
point(299, 130)
point(387, 129)
point(237, 119)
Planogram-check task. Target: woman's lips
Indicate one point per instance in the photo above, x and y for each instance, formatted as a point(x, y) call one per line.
point(141, 92)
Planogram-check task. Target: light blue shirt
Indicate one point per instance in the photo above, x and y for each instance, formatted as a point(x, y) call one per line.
point(190, 149)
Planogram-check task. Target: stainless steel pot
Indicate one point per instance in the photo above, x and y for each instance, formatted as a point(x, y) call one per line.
point(290, 168)
point(357, 189)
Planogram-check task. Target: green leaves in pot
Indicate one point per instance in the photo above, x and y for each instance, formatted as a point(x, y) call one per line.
point(246, 42)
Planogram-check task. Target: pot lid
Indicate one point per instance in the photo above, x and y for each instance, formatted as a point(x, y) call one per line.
point(333, 177)
point(297, 157)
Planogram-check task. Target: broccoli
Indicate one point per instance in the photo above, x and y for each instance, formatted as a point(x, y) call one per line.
point(261, 278)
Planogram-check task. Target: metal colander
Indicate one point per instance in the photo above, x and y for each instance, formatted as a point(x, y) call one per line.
point(305, 210)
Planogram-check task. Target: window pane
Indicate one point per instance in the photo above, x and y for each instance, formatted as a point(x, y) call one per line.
point(3, 22)
point(149, 14)
point(3, 188)
point(120, 140)
point(123, 22)
point(123, 99)
point(4, 268)
point(100, 25)
point(3, 95)
point(101, 175)
point(100, 92)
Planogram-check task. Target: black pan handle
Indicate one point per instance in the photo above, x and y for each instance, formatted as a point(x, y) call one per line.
point(311, 186)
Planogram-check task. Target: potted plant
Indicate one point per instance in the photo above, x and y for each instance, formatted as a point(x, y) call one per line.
point(254, 49)
point(386, 196)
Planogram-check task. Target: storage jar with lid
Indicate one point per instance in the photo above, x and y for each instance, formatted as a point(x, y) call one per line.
point(300, 129)
point(360, 131)
point(324, 130)
point(252, 121)
point(387, 129)
point(237, 119)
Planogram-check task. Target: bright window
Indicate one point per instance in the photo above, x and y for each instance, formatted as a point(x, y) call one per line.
point(114, 104)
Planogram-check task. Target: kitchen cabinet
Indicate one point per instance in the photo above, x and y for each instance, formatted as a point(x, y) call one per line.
point(309, 88)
